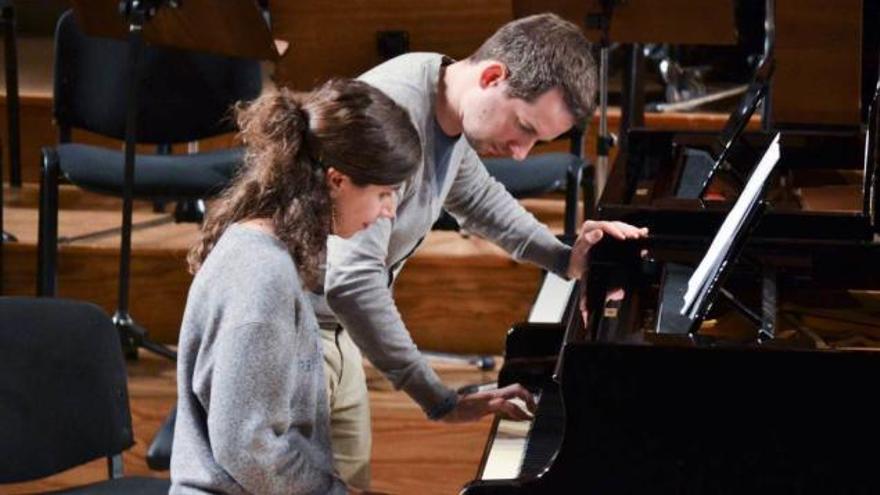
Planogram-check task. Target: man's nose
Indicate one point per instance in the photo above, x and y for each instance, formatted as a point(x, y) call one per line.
point(389, 208)
point(519, 151)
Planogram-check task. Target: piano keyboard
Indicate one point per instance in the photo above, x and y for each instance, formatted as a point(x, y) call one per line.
point(522, 449)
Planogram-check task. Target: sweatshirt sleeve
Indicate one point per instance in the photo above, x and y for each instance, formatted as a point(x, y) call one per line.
point(257, 432)
point(482, 205)
point(358, 292)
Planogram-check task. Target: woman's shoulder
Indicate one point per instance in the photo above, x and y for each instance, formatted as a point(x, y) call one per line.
point(248, 259)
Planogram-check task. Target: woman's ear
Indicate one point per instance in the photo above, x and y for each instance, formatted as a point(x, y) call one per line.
point(335, 181)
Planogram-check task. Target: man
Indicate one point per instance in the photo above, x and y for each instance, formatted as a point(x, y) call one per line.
point(531, 81)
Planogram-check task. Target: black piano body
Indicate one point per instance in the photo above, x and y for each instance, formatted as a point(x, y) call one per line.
point(625, 409)
point(628, 407)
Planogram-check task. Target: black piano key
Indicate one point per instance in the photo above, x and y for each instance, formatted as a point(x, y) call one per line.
point(545, 435)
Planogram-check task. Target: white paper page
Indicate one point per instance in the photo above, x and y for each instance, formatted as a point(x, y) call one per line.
point(732, 223)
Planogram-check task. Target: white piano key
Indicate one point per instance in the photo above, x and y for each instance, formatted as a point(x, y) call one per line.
point(508, 447)
point(507, 451)
point(552, 299)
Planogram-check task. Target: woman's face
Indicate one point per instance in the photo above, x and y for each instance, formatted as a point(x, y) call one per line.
point(357, 207)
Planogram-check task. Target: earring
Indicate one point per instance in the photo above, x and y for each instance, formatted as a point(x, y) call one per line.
point(334, 222)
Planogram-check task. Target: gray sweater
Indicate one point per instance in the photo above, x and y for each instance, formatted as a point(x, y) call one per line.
point(359, 270)
point(252, 413)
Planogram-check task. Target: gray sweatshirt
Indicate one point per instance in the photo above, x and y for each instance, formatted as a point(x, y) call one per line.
point(252, 413)
point(360, 269)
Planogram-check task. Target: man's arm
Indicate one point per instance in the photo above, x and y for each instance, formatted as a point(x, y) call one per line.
point(358, 292)
point(483, 205)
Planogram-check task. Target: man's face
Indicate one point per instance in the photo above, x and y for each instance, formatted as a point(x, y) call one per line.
point(498, 125)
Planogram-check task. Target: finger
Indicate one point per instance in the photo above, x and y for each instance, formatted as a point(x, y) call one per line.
point(589, 225)
point(517, 391)
point(594, 237)
point(628, 230)
point(614, 230)
point(512, 411)
point(631, 231)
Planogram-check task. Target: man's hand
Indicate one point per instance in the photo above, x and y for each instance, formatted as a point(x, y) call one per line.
point(591, 233)
point(472, 407)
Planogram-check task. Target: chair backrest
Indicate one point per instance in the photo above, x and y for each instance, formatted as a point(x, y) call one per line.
point(182, 96)
point(63, 393)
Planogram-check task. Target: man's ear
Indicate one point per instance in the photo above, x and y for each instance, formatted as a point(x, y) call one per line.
point(493, 73)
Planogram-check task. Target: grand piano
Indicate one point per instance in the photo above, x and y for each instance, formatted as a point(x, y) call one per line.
point(639, 394)
point(742, 397)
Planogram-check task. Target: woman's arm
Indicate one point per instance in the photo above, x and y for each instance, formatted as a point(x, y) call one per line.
point(262, 408)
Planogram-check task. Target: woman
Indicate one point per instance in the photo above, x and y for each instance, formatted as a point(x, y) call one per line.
point(252, 413)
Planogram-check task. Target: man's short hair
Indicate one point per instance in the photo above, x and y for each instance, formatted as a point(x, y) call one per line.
point(543, 52)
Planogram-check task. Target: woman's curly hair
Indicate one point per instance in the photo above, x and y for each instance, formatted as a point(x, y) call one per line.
point(290, 139)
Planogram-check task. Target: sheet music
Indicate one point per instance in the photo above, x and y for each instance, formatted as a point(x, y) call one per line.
point(721, 244)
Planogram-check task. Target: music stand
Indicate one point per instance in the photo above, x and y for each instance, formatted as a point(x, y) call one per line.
point(683, 310)
point(232, 28)
point(636, 21)
point(7, 17)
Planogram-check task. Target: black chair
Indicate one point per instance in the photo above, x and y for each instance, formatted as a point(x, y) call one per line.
point(183, 97)
point(63, 394)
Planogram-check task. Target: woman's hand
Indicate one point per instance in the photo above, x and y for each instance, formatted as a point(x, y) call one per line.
point(474, 406)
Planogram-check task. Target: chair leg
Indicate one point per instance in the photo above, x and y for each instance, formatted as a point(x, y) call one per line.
point(47, 241)
point(159, 452)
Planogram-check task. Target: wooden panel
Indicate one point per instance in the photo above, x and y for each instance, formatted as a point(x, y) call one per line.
point(648, 21)
point(818, 62)
point(237, 29)
point(486, 291)
point(464, 296)
point(339, 38)
point(159, 282)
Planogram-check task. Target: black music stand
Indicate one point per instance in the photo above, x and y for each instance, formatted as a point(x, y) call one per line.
point(231, 28)
point(7, 17)
point(683, 307)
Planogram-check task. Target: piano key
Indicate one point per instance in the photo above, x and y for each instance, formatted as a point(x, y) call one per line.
point(507, 450)
point(553, 297)
point(523, 449)
point(508, 446)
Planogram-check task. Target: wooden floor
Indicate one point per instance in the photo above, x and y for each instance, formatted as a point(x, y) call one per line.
point(410, 453)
